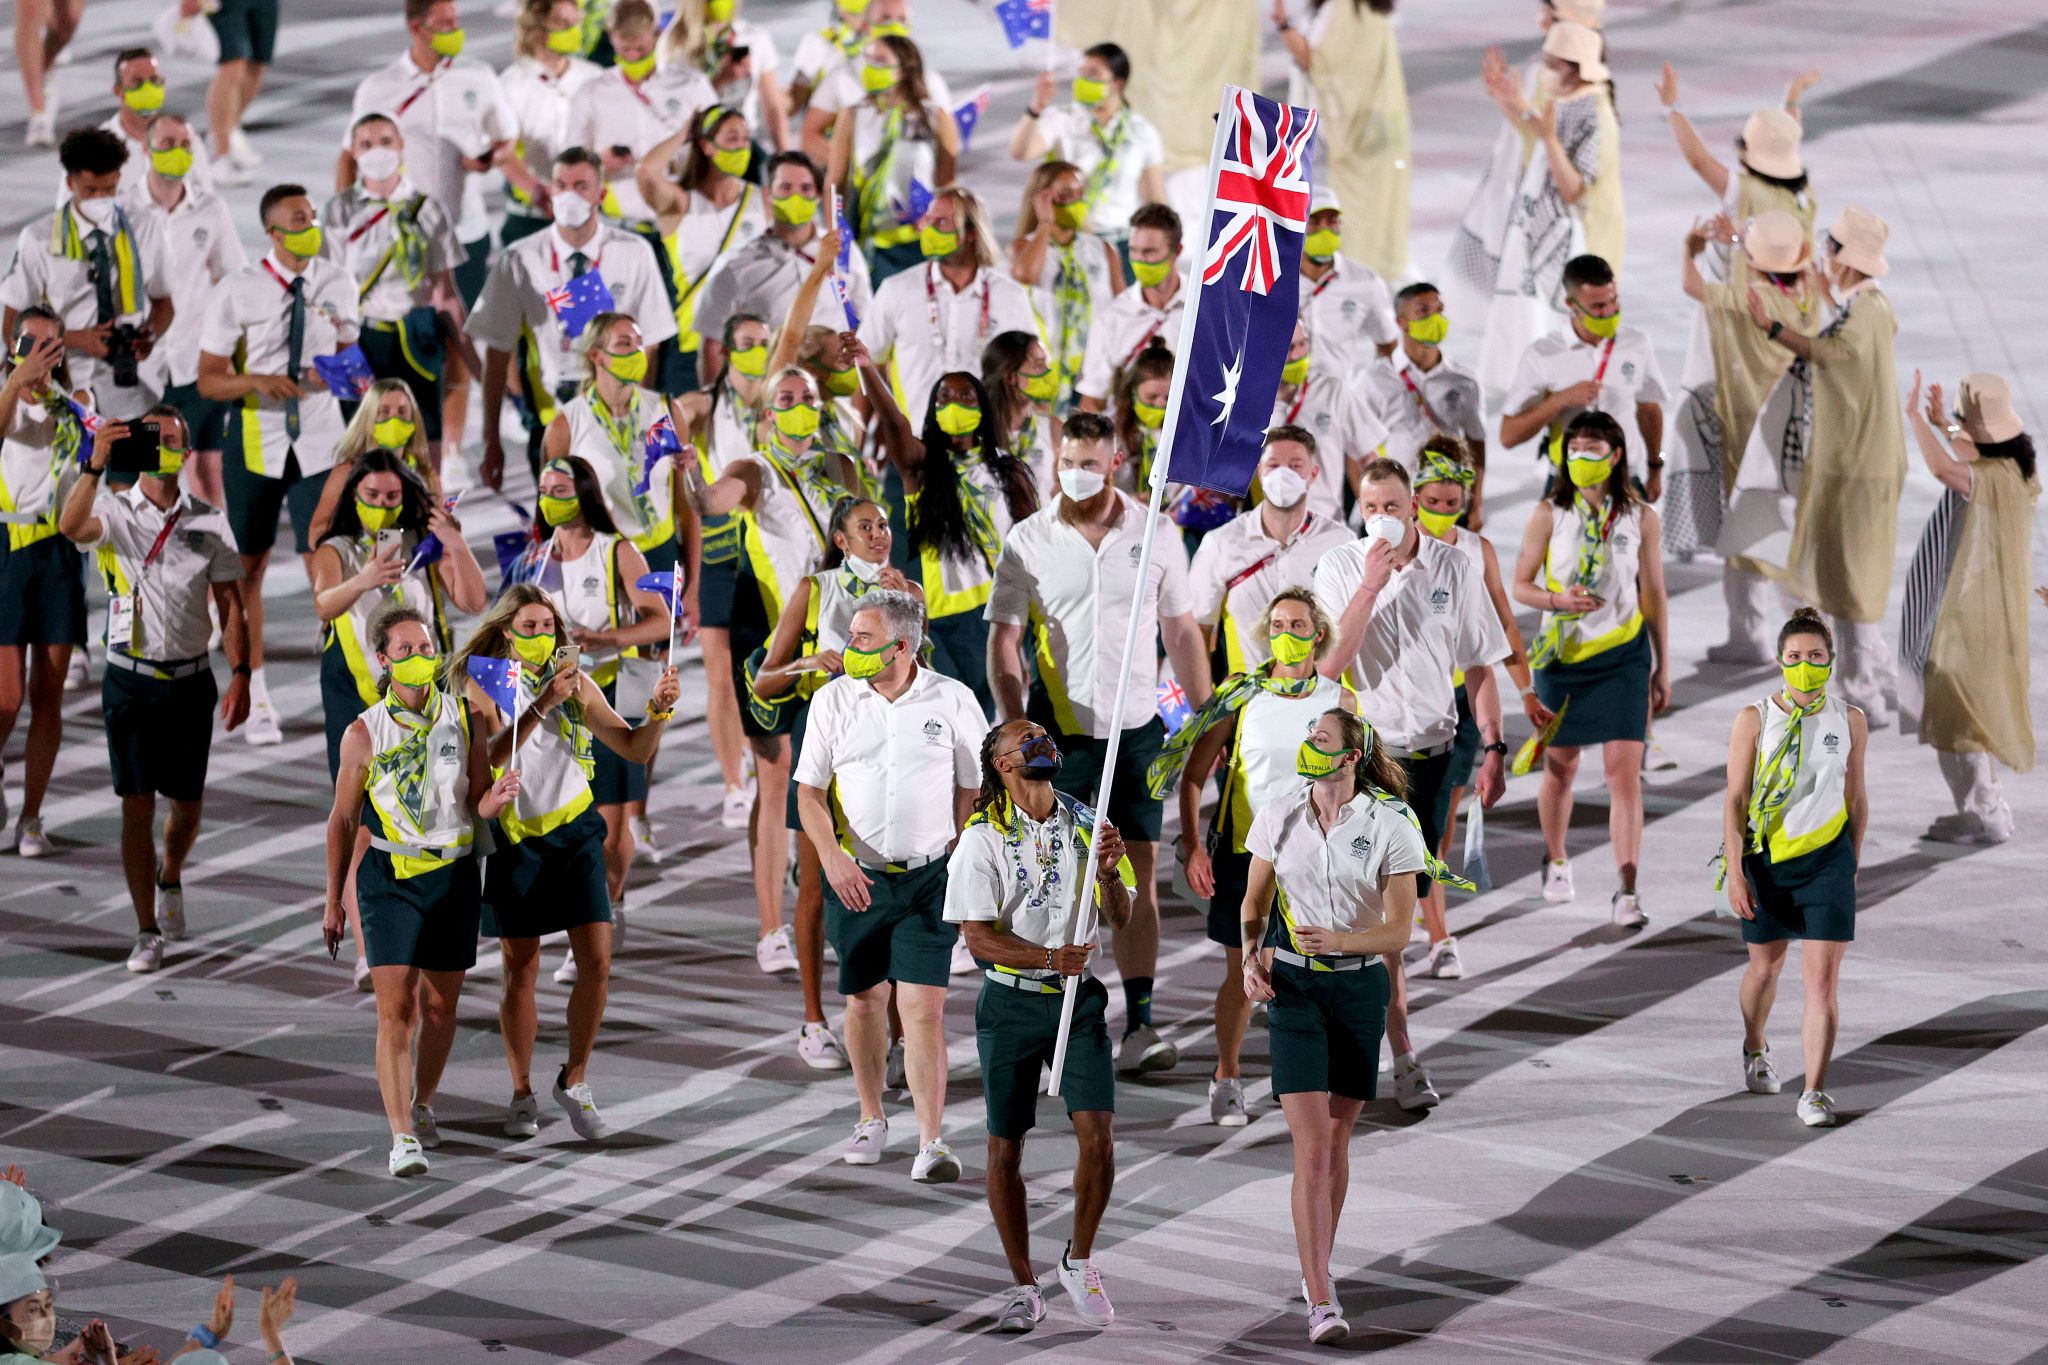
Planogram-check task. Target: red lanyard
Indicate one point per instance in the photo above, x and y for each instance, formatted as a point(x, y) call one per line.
point(161, 536)
point(931, 303)
point(369, 223)
point(1143, 341)
point(555, 259)
point(1323, 283)
point(1606, 353)
point(1421, 403)
point(1243, 575)
point(282, 282)
point(1300, 397)
point(633, 86)
point(428, 84)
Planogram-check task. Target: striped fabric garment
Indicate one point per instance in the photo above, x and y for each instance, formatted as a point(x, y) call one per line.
point(1927, 579)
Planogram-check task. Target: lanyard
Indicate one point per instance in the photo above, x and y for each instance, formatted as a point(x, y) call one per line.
point(1242, 576)
point(1606, 354)
point(379, 216)
point(1300, 397)
point(931, 303)
point(157, 547)
point(732, 225)
point(282, 282)
point(622, 432)
point(789, 478)
point(638, 94)
point(555, 260)
point(1323, 283)
point(1150, 332)
point(423, 87)
point(1421, 403)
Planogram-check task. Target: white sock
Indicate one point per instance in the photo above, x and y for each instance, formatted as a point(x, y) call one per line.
point(1405, 1061)
point(259, 687)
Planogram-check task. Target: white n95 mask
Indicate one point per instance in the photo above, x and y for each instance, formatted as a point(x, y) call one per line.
point(1081, 484)
point(1392, 530)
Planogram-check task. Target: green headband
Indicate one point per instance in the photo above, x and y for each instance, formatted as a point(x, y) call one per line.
point(1438, 467)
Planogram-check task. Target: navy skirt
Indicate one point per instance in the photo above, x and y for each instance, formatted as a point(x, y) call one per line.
point(1609, 694)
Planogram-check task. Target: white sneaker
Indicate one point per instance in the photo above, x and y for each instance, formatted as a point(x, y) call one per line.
point(1627, 910)
point(1758, 1074)
point(1816, 1109)
point(1412, 1090)
point(29, 839)
point(148, 953)
point(243, 152)
point(78, 676)
point(1226, 1103)
point(774, 952)
point(738, 806)
point(577, 1103)
point(643, 839)
point(1442, 961)
point(170, 911)
point(1557, 881)
point(226, 172)
point(895, 1075)
point(364, 984)
point(406, 1157)
point(1142, 1049)
point(42, 128)
point(1083, 1284)
point(1326, 1324)
point(870, 1136)
point(819, 1047)
point(424, 1126)
point(565, 975)
point(1023, 1309)
point(262, 726)
point(963, 957)
point(522, 1117)
point(935, 1164)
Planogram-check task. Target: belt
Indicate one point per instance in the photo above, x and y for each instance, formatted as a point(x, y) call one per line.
point(435, 853)
point(381, 325)
point(23, 518)
point(906, 865)
point(1321, 964)
point(1396, 751)
point(163, 672)
point(1030, 985)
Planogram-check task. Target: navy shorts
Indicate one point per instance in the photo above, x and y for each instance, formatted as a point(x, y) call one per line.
point(1325, 1028)
point(42, 593)
point(1134, 813)
point(428, 921)
point(1014, 1031)
point(551, 882)
point(1812, 896)
point(159, 732)
point(901, 936)
point(247, 30)
point(255, 501)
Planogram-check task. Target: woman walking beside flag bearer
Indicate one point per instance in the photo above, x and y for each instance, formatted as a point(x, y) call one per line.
point(1012, 885)
point(547, 873)
point(1336, 862)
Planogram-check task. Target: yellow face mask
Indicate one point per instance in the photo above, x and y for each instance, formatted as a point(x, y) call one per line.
point(799, 423)
point(567, 41)
point(1605, 328)
point(376, 518)
point(414, 670)
point(305, 243)
point(734, 160)
point(875, 79)
point(1089, 92)
point(639, 69)
point(1072, 216)
point(447, 44)
point(933, 242)
point(1430, 331)
point(1150, 273)
point(1321, 245)
point(145, 98)
point(1588, 471)
point(1806, 677)
point(393, 433)
point(172, 163)
point(559, 511)
point(718, 11)
point(1290, 649)
point(168, 462)
point(1042, 387)
point(957, 419)
point(1312, 763)
point(1294, 371)
point(631, 367)
point(842, 383)
point(534, 649)
point(1438, 524)
point(865, 663)
point(1148, 416)
point(752, 361)
point(796, 209)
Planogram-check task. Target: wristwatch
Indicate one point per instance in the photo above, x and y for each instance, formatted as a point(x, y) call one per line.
point(1776, 327)
point(1499, 746)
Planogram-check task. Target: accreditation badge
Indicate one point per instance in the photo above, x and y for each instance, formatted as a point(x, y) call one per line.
point(124, 623)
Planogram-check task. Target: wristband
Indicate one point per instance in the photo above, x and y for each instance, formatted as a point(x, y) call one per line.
point(1032, 113)
point(1776, 327)
point(1499, 746)
point(241, 671)
point(660, 715)
point(279, 1354)
point(204, 1336)
point(1529, 691)
point(95, 471)
point(1048, 959)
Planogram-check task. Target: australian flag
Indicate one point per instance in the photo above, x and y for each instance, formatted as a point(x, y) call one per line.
point(662, 441)
point(1174, 711)
point(89, 423)
point(839, 271)
point(580, 300)
point(431, 549)
point(1244, 304)
point(522, 555)
point(346, 373)
point(499, 678)
point(969, 114)
point(1024, 20)
point(920, 203)
point(662, 584)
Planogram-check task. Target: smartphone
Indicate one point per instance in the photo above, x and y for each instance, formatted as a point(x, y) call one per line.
point(24, 346)
point(739, 54)
point(566, 659)
point(138, 452)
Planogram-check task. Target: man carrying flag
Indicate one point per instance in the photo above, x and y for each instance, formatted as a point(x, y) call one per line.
point(530, 310)
point(1012, 885)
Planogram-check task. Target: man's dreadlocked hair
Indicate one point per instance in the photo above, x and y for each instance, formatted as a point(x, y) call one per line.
point(992, 789)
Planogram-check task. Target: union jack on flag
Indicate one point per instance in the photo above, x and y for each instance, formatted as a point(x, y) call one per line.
point(662, 442)
point(1242, 313)
point(581, 299)
point(1174, 710)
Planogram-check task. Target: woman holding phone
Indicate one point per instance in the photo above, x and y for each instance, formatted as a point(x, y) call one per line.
point(418, 760)
point(1342, 851)
point(548, 872)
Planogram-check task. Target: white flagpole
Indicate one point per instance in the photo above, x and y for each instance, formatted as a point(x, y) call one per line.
point(518, 676)
point(1082, 925)
point(1052, 17)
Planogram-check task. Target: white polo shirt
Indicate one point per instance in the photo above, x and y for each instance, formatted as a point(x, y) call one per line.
point(1335, 880)
point(251, 309)
point(1431, 620)
point(1349, 314)
point(456, 110)
point(1561, 360)
point(1415, 404)
point(41, 274)
point(168, 598)
point(930, 327)
point(515, 296)
point(1072, 134)
point(1238, 568)
point(358, 229)
point(200, 250)
point(540, 109)
point(1344, 425)
point(761, 277)
point(983, 884)
point(895, 764)
point(1077, 601)
point(1122, 329)
point(611, 111)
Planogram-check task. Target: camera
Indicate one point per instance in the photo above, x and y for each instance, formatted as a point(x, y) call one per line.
point(122, 339)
